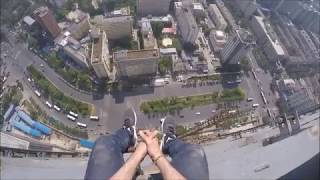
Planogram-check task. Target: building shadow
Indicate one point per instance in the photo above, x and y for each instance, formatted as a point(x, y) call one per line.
point(308, 170)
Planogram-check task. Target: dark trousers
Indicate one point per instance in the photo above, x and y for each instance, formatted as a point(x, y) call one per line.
point(107, 157)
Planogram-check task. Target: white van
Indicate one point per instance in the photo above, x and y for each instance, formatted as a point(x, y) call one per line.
point(48, 104)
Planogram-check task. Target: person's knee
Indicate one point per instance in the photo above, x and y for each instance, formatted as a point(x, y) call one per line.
point(103, 143)
point(102, 148)
point(197, 151)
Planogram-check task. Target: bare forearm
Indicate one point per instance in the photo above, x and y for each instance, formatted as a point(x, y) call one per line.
point(166, 169)
point(129, 168)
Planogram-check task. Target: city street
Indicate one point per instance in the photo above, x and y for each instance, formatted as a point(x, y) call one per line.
point(110, 108)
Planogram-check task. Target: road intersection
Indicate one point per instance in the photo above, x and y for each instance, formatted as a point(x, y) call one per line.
point(110, 107)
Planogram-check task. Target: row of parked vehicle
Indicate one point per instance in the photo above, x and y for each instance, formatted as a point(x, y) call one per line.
point(71, 115)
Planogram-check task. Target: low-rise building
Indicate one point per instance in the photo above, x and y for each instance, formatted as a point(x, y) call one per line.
point(100, 60)
point(217, 40)
point(124, 11)
point(78, 55)
point(217, 17)
point(115, 27)
point(136, 63)
point(296, 97)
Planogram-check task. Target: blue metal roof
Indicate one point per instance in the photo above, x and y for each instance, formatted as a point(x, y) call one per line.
point(86, 143)
point(41, 127)
point(26, 129)
point(8, 112)
point(26, 118)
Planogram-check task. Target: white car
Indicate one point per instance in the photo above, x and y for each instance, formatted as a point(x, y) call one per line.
point(197, 113)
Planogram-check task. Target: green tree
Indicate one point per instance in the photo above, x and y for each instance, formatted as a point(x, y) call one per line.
point(245, 64)
point(165, 65)
point(157, 29)
point(84, 82)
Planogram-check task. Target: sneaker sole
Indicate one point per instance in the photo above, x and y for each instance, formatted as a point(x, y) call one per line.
point(134, 127)
point(162, 138)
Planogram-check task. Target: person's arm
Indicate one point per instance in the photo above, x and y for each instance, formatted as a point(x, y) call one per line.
point(153, 148)
point(129, 168)
point(166, 169)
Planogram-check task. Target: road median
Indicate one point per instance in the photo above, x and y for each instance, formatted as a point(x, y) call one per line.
point(51, 92)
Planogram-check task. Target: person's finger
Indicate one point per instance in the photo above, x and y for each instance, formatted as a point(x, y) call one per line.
point(148, 133)
point(153, 134)
point(143, 135)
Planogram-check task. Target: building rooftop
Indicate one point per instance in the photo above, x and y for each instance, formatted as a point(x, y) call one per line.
point(136, 54)
point(28, 20)
point(97, 48)
point(100, 18)
point(197, 6)
point(41, 11)
point(76, 15)
point(245, 36)
point(227, 158)
point(270, 34)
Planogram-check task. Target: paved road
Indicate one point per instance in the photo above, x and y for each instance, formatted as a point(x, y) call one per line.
point(111, 107)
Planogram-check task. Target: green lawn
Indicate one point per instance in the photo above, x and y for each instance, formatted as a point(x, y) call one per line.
point(178, 103)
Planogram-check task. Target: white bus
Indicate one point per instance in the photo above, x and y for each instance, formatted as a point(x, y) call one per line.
point(250, 99)
point(56, 108)
point(37, 93)
point(94, 118)
point(255, 105)
point(232, 112)
point(81, 125)
point(73, 114)
point(71, 118)
point(48, 104)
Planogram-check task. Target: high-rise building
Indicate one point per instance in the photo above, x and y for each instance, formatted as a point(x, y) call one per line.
point(100, 56)
point(149, 41)
point(136, 63)
point(115, 27)
point(153, 7)
point(227, 14)
point(267, 38)
point(217, 17)
point(80, 23)
point(44, 17)
point(236, 47)
point(248, 7)
point(187, 26)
